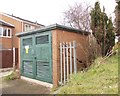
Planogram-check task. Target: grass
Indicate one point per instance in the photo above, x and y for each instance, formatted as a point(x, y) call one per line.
point(99, 79)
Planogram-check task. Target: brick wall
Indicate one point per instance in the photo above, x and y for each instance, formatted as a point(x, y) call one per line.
point(81, 50)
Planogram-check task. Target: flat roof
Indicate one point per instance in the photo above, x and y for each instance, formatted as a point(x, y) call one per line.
point(52, 27)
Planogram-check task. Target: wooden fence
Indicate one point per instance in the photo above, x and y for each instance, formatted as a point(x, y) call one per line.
point(6, 58)
point(67, 61)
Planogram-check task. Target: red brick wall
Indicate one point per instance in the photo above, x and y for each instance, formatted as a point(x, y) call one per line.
point(81, 50)
point(5, 41)
point(18, 28)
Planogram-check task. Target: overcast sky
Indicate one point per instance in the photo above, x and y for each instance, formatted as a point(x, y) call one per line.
point(46, 12)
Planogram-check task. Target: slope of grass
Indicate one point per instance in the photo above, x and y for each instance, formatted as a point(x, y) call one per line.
point(99, 79)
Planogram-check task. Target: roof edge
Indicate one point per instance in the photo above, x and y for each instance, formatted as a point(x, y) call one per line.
point(20, 19)
point(53, 27)
point(8, 24)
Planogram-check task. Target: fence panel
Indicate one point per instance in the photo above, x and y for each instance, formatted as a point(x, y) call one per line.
point(6, 58)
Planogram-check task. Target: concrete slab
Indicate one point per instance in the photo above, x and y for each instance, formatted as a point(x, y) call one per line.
point(19, 86)
point(6, 73)
point(37, 82)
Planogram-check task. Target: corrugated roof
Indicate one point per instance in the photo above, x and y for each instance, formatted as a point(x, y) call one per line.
point(52, 27)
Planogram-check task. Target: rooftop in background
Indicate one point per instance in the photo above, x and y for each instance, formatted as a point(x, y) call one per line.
point(23, 19)
point(3, 23)
point(53, 27)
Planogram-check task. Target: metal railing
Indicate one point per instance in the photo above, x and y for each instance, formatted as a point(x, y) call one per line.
point(67, 61)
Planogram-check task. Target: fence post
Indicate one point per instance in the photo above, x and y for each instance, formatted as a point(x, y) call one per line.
point(67, 60)
point(74, 49)
point(64, 61)
point(70, 58)
point(61, 62)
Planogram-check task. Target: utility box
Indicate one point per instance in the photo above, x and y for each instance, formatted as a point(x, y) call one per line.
point(40, 51)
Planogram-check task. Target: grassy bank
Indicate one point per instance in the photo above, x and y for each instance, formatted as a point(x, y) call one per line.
point(99, 79)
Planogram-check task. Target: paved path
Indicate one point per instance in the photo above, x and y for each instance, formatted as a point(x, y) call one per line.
point(19, 86)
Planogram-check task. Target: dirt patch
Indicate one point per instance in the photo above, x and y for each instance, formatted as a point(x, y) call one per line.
point(20, 86)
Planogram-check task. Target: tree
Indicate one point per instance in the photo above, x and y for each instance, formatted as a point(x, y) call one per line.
point(78, 16)
point(102, 28)
point(117, 14)
point(110, 35)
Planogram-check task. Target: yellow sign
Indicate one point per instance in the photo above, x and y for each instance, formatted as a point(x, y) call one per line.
point(26, 49)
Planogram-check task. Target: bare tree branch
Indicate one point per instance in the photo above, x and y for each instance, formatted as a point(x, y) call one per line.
point(78, 16)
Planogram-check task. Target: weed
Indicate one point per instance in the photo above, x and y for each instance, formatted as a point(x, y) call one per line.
point(12, 76)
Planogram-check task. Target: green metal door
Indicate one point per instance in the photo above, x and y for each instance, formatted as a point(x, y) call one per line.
point(36, 61)
point(27, 58)
point(43, 57)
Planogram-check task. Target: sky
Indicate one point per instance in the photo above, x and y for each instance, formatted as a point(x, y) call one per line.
point(47, 12)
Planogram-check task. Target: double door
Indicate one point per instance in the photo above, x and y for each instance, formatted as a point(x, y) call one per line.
point(36, 57)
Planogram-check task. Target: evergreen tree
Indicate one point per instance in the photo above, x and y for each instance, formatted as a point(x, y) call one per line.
point(117, 14)
point(102, 28)
point(110, 36)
